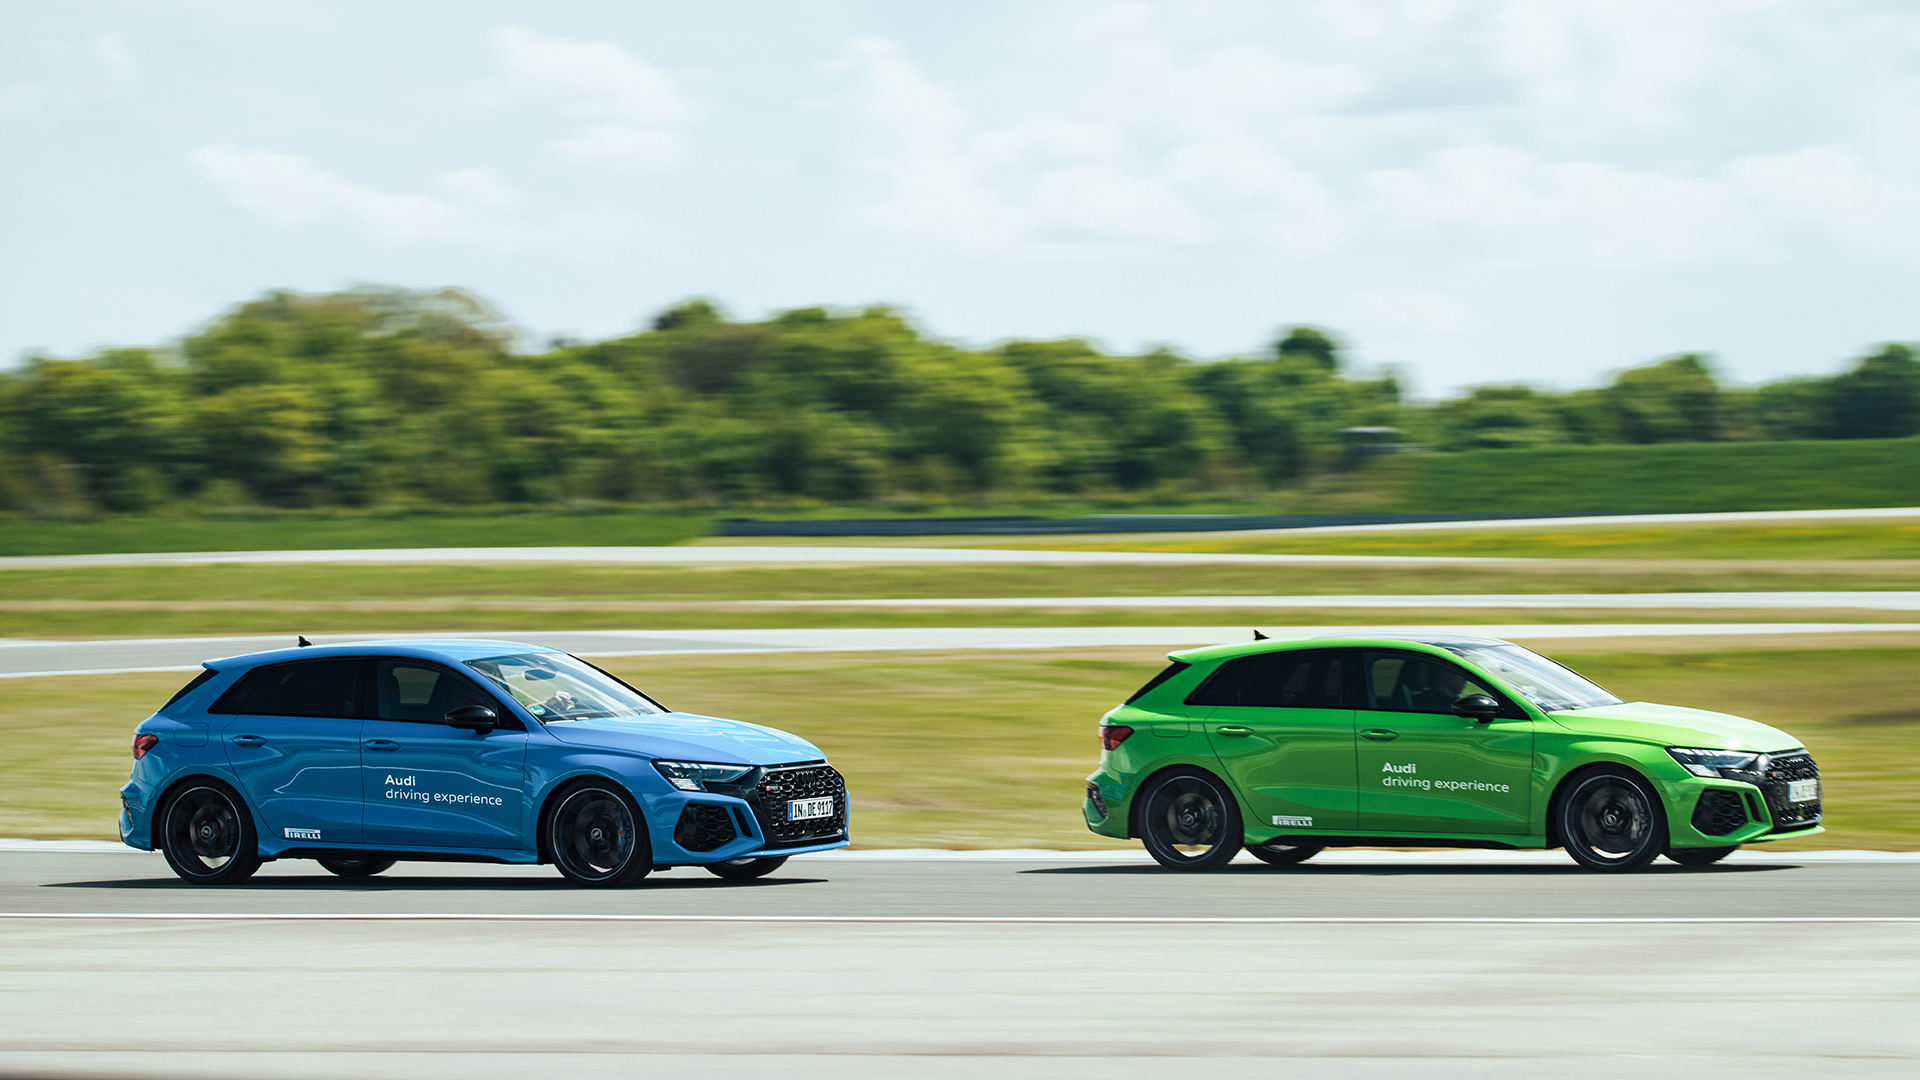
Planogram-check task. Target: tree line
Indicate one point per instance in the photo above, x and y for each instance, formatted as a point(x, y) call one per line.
point(388, 397)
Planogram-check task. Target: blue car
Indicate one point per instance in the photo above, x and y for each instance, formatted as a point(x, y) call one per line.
point(493, 751)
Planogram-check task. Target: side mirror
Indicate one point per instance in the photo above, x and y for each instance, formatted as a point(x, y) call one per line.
point(473, 718)
point(1478, 707)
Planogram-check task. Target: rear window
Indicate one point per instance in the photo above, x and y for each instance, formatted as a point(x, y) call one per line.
point(205, 674)
point(299, 688)
point(1299, 679)
point(1166, 673)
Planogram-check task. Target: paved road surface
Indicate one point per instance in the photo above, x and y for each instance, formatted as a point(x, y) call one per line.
point(508, 996)
point(20, 658)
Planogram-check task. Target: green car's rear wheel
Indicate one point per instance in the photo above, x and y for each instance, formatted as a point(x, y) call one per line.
point(1190, 821)
point(1285, 854)
point(1611, 820)
point(1701, 856)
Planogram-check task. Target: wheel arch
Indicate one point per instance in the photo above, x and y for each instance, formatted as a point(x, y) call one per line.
point(185, 779)
point(1137, 804)
point(543, 847)
point(1585, 769)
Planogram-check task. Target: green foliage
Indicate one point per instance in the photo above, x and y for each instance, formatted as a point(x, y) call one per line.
point(387, 398)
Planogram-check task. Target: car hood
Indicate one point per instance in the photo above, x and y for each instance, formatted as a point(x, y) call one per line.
point(689, 737)
point(1672, 725)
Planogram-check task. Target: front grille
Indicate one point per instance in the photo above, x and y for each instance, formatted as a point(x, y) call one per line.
point(1772, 780)
point(1718, 813)
point(779, 784)
point(704, 827)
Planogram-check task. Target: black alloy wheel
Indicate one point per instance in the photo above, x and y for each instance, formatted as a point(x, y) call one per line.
point(1701, 856)
point(746, 869)
point(1611, 820)
point(1285, 854)
point(1190, 822)
point(355, 868)
point(598, 838)
point(207, 835)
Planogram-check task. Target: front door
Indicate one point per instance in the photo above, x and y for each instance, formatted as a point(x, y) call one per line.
point(1282, 727)
point(1423, 769)
point(294, 743)
point(426, 784)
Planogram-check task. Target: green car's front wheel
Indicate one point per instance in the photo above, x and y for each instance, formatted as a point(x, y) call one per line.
point(1611, 820)
point(1190, 821)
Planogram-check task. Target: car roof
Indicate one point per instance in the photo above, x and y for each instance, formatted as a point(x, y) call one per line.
point(447, 650)
point(1447, 642)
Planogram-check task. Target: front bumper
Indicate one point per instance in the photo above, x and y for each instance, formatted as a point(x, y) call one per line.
point(748, 818)
point(1746, 807)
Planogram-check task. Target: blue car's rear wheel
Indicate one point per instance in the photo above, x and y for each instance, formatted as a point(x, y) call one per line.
point(597, 836)
point(207, 835)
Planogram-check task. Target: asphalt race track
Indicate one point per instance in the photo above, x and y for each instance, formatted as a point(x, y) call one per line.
point(1366, 965)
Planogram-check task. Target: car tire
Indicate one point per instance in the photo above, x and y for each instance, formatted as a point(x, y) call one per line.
point(598, 837)
point(1701, 856)
point(207, 834)
point(1610, 820)
point(746, 869)
point(355, 868)
point(1285, 854)
point(1190, 821)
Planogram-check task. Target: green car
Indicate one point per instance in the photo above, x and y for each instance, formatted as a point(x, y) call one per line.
point(1289, 747)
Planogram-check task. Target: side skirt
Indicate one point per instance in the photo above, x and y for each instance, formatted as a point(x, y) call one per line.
point(1345, 840)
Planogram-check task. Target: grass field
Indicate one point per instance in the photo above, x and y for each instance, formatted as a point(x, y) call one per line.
point(20, 535)
point(990, 751)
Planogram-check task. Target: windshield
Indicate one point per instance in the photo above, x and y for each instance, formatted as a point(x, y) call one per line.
point(1536, 678)
point(555, 686)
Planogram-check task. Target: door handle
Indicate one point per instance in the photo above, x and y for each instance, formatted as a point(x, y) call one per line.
point(1379, 734)
point(1234, 729)
point(387, 745)
point(249, 740)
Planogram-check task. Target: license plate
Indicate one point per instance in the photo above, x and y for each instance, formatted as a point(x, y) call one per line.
point(1803, 790)
point(806, 809)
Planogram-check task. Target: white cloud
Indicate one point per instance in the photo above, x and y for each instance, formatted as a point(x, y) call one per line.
point(1834, 188)
point(481, 187)
point(1412, 311)
point(289, 189)
point(639, 111)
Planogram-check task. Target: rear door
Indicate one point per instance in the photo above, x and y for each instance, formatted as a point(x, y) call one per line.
point(293, 739)
point(1282, 726)
point(426, 784)
point(1425, 770)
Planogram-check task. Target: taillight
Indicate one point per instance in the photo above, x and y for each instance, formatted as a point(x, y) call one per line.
point(144, 743)
point(1112, 735)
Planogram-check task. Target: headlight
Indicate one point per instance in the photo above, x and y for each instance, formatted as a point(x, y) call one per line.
point(1714, 763)
point(696, 775)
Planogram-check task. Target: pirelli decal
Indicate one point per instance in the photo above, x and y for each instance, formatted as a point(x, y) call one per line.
point(1296, 822)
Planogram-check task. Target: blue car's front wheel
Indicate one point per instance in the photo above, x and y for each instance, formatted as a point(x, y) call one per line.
point(597, 836)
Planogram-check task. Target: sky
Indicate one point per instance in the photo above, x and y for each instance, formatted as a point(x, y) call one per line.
point(1473, 191)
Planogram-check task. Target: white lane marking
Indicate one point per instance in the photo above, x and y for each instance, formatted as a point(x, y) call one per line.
point(618, 643)
point(994, 920)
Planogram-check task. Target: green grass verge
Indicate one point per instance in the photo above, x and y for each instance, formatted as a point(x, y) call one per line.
point(966, 750)
point(309, 531)
point(1858, 541)
point(1670, 478)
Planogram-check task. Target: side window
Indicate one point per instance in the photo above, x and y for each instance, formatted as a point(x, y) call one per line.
point(205, 674)
point(1298, 679)
point(301, 688)
point(1164, 674)
point(1416, 683)
point(423, 693)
